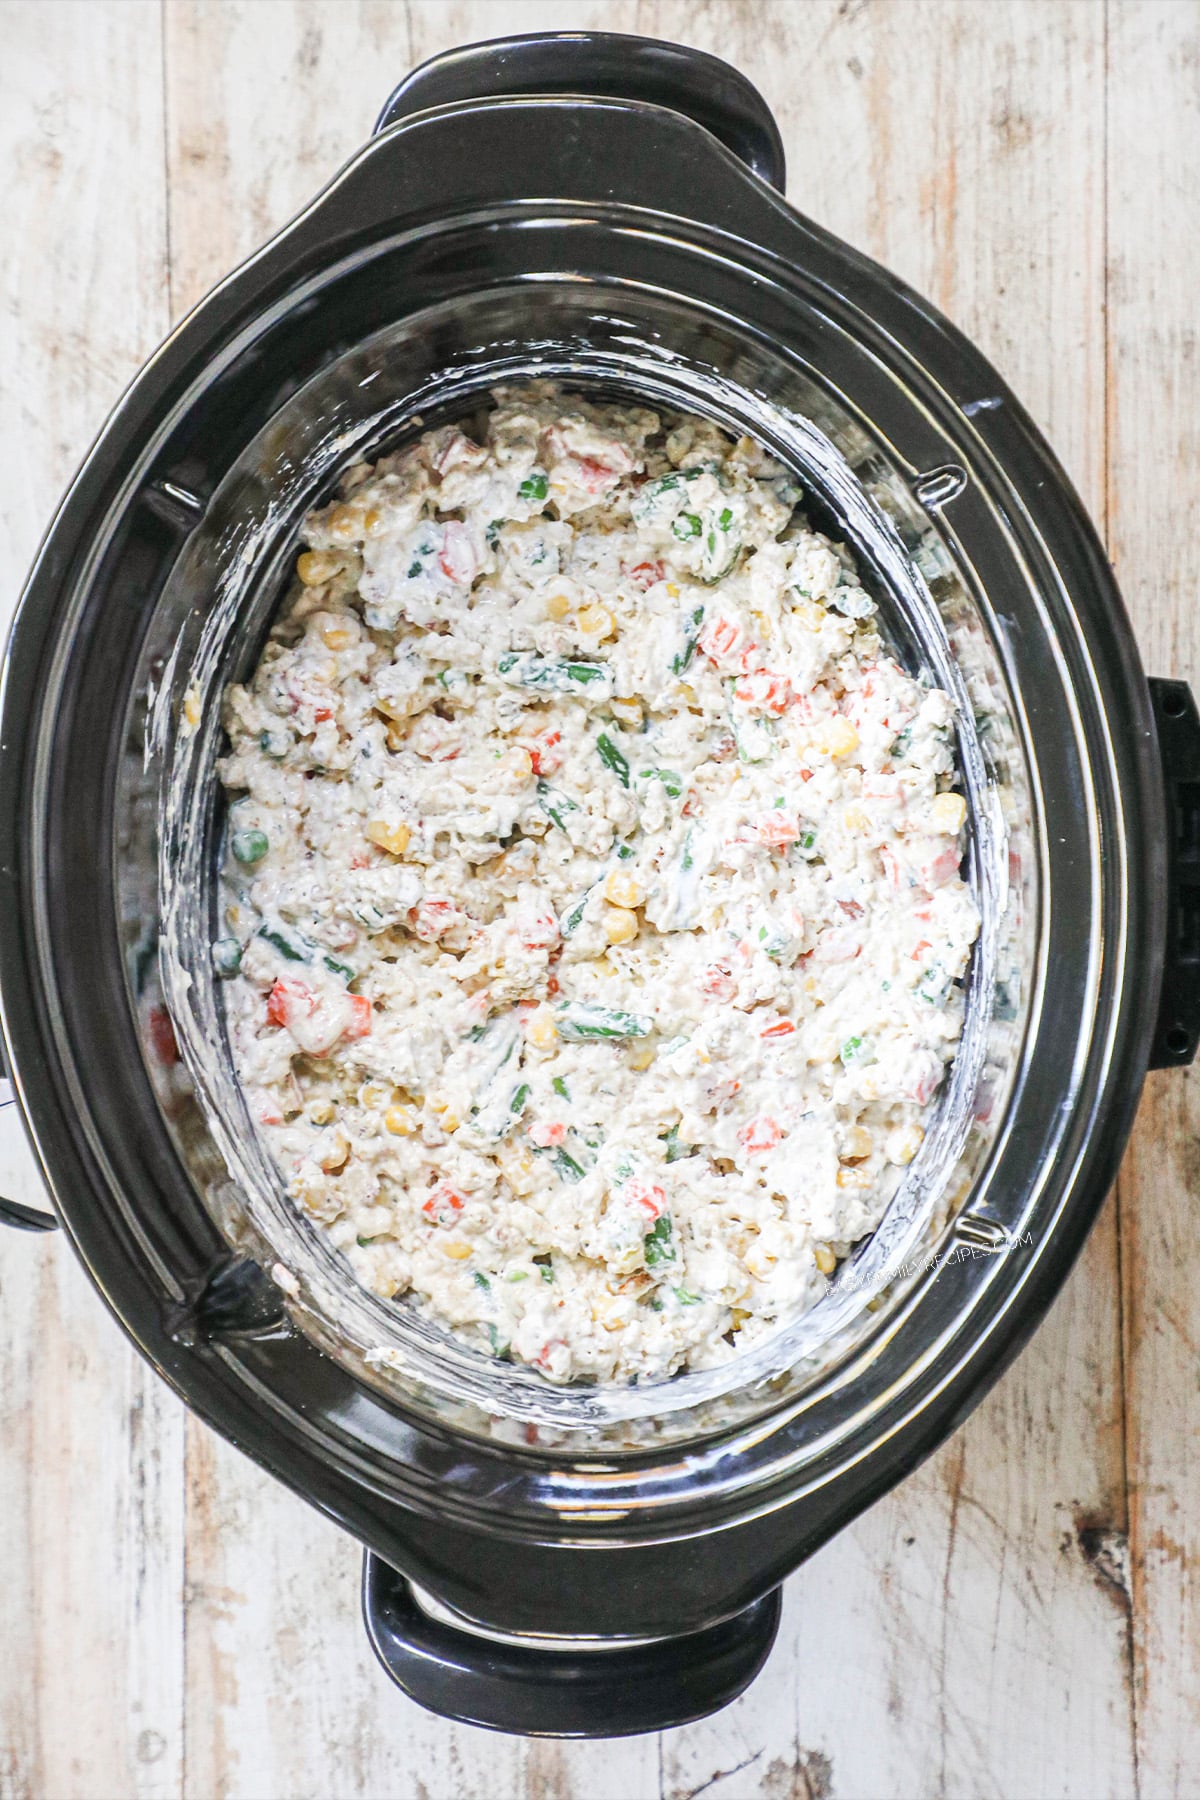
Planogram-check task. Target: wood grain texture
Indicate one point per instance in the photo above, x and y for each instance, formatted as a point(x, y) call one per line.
point(1021, 1617)
point(91, 1442)
point(1153, 481)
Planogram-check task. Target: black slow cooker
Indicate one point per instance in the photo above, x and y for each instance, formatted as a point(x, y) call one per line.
point(607, 211)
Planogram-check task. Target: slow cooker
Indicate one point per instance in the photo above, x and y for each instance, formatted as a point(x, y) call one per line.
point(606, 211)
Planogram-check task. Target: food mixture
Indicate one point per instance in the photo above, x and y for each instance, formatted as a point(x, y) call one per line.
point(594, 930)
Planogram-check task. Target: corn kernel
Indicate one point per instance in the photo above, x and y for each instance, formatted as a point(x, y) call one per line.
point(853, 1177)
point(672, 590)
point(687, 694)
point(640, 1056)
point(855, 819)
point(372, 521)
point(319, 1112)
point(836, 736)
point(629, 712)
point(399, 1121)
point(345, 523)
point(622, 890)
point(396, 735)
point(856, 1144)
point(557, 606)
point(191, 707)
point(540, 1029)
point(948, 813)
point(335, 1153)
point(440, 1104)
point(456, 1250)
point(760, 1262)
point(609, 1311)
point(517, 1166)
point(825, 1259)
point(620, 925)
point(595, 621)
point(809, 614)
point(517, 764)
point(336, 636)
point(738, 1317)
point(317, 566)
point(903, 1145)
point(394, 839)
point(372, 1093)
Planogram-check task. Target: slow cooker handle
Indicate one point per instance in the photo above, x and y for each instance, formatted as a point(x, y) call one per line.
point(609, 65)
point(509, 1686)
point(24, 1218)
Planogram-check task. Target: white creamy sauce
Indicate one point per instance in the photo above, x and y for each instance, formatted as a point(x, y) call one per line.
point(594, 924)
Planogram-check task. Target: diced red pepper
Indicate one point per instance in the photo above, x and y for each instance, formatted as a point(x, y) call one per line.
point(764, 692)
point(289, 1001)
point(545, 755)
point(760, 1136)
point(360, 1023)
point(162, 1036)
point(648, 1195)
point(457, 556)
point(444, 1204)
point(547, 1136)
point(779, 1028)
point(719, 638)
point(776, 830)
point(432, 919)
point(645, 574)
point(592, 476)
point(717, 982)
point(539, 931)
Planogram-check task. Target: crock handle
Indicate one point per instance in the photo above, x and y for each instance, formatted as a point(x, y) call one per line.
point(535, 1692)
point(609, 65)
point(25, 1218)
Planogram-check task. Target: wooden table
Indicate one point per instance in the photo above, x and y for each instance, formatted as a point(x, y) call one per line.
point(1022, 1617)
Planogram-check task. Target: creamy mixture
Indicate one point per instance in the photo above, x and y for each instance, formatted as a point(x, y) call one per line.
point(594, 925)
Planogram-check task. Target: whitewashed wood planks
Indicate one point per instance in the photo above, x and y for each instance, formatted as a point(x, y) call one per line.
point(1153, 173)
point(91, 1548)
point(973, 1634)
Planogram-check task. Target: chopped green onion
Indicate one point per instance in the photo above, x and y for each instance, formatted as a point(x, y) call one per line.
point(560, 1087)
point(686, 526)
point(613, 759)
point(658, 1243)
point(554, 803)
point(534, 487)
point(670, 780)
point(579, 1020)
point(284, 945)
point(481, 1280)
point(227, 957)
point(691, 638)
point(676, 1151)
point(250, 846)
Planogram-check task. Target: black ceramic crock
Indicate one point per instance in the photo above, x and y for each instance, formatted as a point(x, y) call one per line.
point(606, 210)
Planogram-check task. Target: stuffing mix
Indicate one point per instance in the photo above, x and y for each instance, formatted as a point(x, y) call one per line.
point(592, 922)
